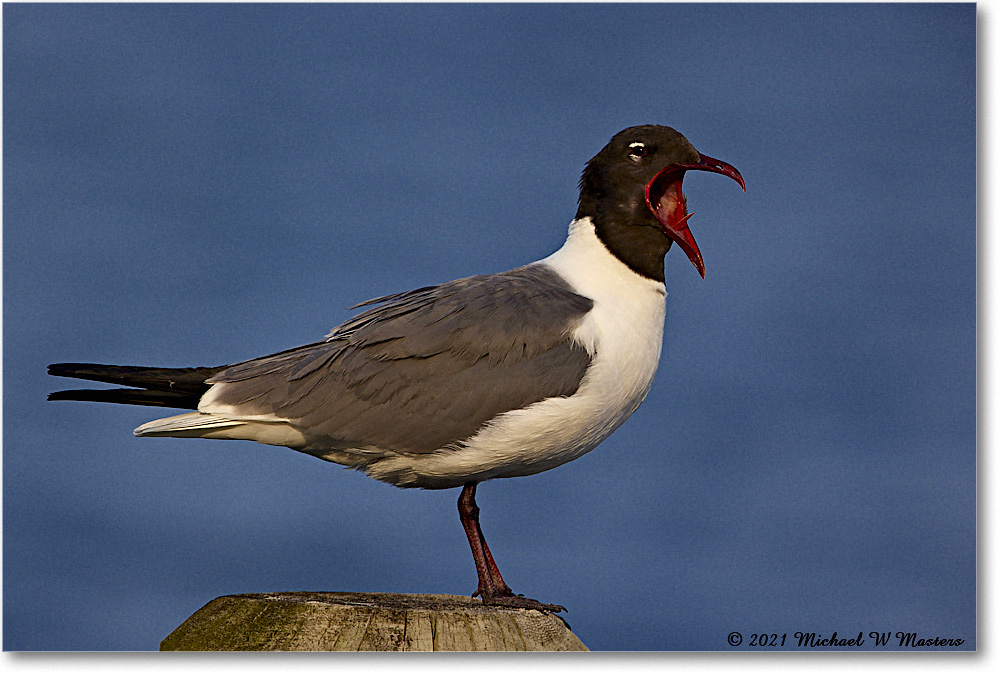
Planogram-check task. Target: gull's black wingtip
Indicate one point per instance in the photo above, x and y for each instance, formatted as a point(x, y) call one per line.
point(60, 369)
point(166, 387)
point(85, 369)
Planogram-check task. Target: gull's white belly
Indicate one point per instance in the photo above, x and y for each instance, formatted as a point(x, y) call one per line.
point(624, 335)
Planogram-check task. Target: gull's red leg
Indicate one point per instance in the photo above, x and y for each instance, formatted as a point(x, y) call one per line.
point(492, 588)
point(501, 585)
point(468, 512)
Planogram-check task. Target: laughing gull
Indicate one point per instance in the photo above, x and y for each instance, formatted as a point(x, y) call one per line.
point(491, 376)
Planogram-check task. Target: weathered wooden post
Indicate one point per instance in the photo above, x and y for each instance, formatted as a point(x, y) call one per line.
point(305, 621)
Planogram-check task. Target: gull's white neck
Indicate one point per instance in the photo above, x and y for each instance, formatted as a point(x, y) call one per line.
point(592, 270)
point(623, 332)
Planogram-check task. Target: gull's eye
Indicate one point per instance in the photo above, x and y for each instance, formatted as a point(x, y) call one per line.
point(637, 151)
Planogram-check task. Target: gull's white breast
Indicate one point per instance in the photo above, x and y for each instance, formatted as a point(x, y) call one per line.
point(624, 335)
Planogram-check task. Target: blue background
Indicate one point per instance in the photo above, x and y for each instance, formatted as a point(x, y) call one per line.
point(197, 185)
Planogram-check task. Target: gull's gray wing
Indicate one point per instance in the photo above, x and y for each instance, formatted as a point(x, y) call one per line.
point(425, 368)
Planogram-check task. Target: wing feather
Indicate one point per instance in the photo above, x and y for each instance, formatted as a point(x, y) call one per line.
point(424, 369)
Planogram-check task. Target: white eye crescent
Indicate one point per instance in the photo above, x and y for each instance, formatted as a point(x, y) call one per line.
point(637, 150)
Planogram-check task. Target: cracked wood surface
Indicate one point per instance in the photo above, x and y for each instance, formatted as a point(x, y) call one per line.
point(314, 621)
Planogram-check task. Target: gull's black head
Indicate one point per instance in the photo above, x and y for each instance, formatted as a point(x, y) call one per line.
point(631, 190)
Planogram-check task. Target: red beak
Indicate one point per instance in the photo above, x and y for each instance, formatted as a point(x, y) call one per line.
point(665, 199)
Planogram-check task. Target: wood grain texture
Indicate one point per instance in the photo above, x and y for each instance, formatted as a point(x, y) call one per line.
point(303, 621)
